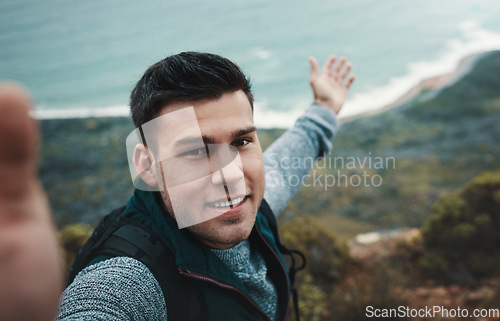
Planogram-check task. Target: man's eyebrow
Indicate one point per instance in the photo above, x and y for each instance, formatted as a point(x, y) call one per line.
point(192, 140)
point(242, 132)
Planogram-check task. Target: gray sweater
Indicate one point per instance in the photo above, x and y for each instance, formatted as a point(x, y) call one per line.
point(123, 288)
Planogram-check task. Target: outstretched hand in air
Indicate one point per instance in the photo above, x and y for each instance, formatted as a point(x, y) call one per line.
point(330, 84)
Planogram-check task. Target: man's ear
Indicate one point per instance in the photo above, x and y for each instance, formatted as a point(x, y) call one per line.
point(143, 163)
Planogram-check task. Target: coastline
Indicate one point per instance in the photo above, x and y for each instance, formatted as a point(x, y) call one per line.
point(434, 83)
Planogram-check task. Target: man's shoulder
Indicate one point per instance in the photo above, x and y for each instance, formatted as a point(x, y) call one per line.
point(118, 270)
point(119, 286)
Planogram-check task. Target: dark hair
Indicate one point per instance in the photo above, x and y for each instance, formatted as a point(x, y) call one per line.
point(188, 76)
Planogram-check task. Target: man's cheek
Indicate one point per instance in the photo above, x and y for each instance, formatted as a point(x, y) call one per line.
point(253, 169)
point(255, 175)
point(188, 203)
point(253, 159)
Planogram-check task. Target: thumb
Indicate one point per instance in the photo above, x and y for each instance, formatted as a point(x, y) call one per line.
point(314, 68)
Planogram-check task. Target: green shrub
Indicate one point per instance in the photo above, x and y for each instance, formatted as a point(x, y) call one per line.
point(73, 238)
point(312, 300)
point(461, 237)
point(327, 263)
point(327, 256)
point(380, 287)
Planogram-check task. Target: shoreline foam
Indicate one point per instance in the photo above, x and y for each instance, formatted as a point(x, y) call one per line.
point(79, 113)
point(432, 83)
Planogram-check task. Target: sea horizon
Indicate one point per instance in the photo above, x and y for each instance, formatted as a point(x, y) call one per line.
point(83, 59)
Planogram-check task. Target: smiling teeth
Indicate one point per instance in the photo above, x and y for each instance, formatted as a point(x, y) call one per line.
point(233, 202)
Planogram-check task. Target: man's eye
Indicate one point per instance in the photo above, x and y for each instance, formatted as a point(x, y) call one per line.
point(242, 142)
point(194, 152)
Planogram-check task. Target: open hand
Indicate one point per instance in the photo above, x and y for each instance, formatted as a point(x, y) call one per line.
point(329, 84)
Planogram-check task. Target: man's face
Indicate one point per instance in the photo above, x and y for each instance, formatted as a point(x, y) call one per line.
point(231, 190)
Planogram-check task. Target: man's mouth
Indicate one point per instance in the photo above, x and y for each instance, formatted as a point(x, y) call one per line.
point(228, 204)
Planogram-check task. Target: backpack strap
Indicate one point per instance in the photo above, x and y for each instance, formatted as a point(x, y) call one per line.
point(118, 236)
point(292, 271)
point(135, 242)
point(141, 243)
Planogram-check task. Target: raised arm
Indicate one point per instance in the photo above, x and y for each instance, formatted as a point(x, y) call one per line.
point(291, 157)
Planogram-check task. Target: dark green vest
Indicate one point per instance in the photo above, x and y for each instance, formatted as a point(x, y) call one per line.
point(196, 284)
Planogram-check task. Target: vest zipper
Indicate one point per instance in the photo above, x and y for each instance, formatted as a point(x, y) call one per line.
point(223, 285)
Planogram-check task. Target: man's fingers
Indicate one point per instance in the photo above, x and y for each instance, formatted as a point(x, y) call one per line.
point(349, 81)
point(345, 71)
point(328, 64)
point(17, 131)
point(314, 68)
point(339, 65)
point(18, 142)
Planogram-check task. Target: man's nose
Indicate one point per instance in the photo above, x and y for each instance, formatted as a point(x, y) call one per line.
point(229, 174)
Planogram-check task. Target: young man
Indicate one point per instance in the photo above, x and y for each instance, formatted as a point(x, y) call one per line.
point(202, 190)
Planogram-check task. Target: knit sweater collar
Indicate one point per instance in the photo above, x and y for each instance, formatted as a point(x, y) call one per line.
point(237, 255)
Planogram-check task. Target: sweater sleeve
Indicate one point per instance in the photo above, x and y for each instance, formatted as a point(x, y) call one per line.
point(119, 288)
point(291, 157)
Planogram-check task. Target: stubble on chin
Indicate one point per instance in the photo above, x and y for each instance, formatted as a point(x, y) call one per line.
point(217, 232)
point(217, 236)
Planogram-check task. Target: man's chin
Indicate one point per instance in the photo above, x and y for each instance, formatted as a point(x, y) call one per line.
point(223, 232)
point(219, 240)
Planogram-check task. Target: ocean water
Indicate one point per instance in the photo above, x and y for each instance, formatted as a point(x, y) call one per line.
point(81, 58)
